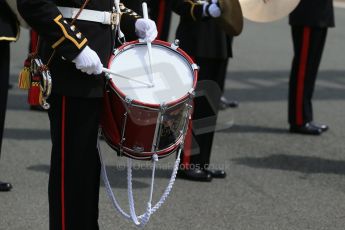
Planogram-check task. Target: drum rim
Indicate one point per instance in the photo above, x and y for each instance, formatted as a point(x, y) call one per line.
point(120, 93)
point(126, 151)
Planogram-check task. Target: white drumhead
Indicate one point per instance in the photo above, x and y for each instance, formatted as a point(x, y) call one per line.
point(172, 74)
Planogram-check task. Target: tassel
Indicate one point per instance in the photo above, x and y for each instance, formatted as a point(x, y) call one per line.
point(35, 92)
point(24, 81)
point(24, 78)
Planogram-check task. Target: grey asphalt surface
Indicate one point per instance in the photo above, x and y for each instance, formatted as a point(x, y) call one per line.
point(276, 180)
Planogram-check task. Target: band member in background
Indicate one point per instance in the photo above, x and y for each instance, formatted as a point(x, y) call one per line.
point(9, 32)
point(309, 24)
point(210, 47)
point(81, 50)
point(159, 11)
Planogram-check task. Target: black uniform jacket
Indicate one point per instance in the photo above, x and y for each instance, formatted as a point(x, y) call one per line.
point(200, 37)
point(135, 5)
point(9, 28)
point(313, 13)
point(57, 33)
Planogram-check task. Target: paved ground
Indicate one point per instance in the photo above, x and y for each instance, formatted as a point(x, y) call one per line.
point(276, 181)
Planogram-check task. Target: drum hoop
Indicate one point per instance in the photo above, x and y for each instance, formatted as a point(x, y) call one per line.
point(146, 155)
point(167, 45)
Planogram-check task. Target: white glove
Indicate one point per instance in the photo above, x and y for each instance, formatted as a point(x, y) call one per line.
point(211, 9)
point(88, 61)
point(146, 29)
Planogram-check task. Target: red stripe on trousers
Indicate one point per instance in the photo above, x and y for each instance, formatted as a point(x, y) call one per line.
point(301, 75)
point(63, 163)
point(33, 41)
point(160, 17)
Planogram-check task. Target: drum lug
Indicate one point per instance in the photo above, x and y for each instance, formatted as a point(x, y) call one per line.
point(163, 108)
point(116, 52)
point(191, 93)
point(175, 45)
point(195, 66)
point(128, 100)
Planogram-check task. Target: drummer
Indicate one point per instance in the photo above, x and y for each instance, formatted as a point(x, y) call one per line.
point(81, 50)
point(210, 47)
point(160, 12)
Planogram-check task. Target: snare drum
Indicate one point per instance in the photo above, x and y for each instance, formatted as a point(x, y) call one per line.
point(138, 120)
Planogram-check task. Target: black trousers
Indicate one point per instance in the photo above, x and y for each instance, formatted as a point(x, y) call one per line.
point(199, 139)
point(74, 177)
point(308, 45)
point(4, 79)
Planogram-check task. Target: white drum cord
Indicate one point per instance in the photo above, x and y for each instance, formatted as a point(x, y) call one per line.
point(140, 220)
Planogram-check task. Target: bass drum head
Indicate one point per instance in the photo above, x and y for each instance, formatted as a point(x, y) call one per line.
point(172, 74)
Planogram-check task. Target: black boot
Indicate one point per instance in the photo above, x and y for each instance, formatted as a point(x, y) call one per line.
point(216, 173)
point(194, 174)
point(323, 127)
point(5, 187)
point(307, 128)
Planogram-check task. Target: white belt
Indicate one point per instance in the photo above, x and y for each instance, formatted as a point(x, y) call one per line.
point(103, 17)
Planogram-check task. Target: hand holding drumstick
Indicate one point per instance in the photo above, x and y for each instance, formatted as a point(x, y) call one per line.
point(88, 61)
point(146, 29)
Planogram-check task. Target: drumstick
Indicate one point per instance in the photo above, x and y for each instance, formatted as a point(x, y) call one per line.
point(105, 70)
point(149, 47)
